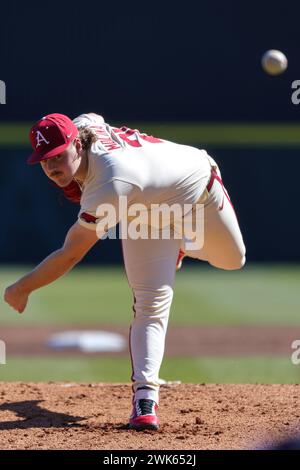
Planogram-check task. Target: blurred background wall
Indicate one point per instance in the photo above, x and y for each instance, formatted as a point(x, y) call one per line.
point(149, 63)
point(197, 61)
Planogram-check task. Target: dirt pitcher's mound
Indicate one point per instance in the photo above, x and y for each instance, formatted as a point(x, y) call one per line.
point(94, 416)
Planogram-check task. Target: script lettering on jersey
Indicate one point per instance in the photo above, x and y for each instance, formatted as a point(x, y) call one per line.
point(132, 136)
point(105, 139)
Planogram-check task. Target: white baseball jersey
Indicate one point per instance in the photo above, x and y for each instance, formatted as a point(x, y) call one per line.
point(124, 162)
point(149, 170)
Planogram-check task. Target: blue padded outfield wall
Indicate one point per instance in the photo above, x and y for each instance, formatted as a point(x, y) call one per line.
point(195, 61)
point(263, 187)
point(198, 62)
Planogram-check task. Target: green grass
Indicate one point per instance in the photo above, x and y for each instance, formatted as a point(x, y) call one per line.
point(224, 134)
point(188, 370)
point(258, 295)
point(255, 295)
point(86, 295)
point(203, 295)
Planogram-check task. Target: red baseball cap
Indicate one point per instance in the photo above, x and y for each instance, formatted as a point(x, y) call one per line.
point(50, 136)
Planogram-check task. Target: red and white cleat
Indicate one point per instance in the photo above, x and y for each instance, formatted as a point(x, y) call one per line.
point(181, 255)
point(144, 415)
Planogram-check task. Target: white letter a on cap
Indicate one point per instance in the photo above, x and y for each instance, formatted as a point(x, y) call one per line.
point(40, 138)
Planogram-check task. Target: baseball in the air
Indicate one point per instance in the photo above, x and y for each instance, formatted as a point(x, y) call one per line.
point(274, 62)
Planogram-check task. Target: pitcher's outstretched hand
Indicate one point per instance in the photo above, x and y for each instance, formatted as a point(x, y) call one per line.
point(16, 298)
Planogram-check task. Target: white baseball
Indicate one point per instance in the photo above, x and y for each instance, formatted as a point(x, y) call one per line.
point(274, 62)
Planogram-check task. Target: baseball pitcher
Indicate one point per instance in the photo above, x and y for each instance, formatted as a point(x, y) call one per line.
point(99, 167)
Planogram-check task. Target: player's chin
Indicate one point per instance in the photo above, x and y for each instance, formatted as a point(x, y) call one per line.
point(62, 181)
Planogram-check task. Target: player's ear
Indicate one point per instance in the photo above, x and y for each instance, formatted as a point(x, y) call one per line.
point(78, 144)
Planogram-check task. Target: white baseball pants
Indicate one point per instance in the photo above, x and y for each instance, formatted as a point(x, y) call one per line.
point(150, 267)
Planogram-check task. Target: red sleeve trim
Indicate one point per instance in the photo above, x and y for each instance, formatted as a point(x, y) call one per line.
point(90, 219)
